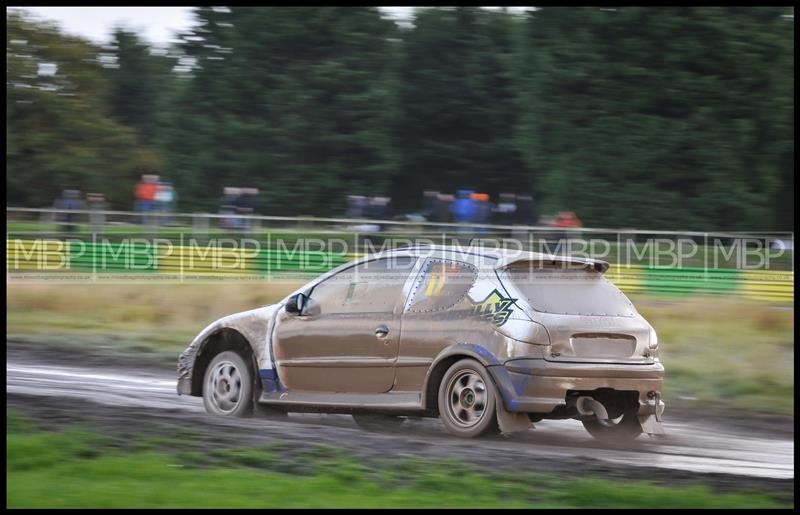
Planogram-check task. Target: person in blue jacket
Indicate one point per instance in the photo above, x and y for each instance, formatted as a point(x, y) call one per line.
point(463, 209)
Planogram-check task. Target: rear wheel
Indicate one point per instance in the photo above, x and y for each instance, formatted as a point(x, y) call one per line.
point(626, 429)
point(467, 400)
point(228, 386)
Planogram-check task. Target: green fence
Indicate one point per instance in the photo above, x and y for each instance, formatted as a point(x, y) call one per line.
point(42, 256)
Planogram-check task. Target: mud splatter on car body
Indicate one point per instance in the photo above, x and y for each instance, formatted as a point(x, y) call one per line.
point(480, 338)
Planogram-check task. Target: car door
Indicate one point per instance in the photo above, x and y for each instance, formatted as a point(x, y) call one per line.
point(436, 316)
point(349, 341)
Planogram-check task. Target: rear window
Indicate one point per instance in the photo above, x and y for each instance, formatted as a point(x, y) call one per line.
point(570, 291)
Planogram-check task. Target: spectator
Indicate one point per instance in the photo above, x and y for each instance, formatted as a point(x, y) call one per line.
point(568, 220)
point(525, 211)
point(464, 208)
point(146, 195)
point(378, 208)
point(506, 210)
point(164, 200)
point(375, 209)
point(172, 201)
point(230, 203)
point(429, 203)
point(482, 207)
point(246, 205)
point(70, 200)
point(444, 202)
point(356, 204)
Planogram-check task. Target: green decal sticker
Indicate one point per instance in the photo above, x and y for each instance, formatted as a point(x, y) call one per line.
point(495, 308)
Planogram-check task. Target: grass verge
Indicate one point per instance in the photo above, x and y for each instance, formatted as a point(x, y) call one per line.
point(79, 469)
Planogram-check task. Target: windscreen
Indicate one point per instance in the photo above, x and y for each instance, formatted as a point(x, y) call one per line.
point(569, 291)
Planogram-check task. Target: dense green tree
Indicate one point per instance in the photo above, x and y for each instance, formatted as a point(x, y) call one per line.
point(458, 105)
point(674, 118)
point(295, 100)
point(661, 118)
point(138, 82)
point(59, 134)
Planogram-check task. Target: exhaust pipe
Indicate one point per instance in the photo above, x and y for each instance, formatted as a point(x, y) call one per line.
point(587, 406)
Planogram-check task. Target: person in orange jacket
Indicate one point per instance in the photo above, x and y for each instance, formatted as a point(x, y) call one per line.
point(567, 219)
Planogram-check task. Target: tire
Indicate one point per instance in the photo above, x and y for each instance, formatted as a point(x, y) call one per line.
point(228, 386)
point(626, 430)
point(467, 400)
point(372, 422)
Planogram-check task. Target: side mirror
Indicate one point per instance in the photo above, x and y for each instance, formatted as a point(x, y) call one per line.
point(296, 303)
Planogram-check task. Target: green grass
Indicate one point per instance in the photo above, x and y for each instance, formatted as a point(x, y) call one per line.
point(158, 316)
point(79, 469)
point(725, 354)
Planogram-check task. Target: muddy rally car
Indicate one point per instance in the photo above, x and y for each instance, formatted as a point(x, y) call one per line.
point(486, 340)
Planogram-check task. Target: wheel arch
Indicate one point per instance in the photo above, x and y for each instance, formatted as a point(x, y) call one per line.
point(221, 340)
point(444, 361)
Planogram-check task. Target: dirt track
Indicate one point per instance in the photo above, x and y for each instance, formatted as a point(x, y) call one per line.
point(138, 398)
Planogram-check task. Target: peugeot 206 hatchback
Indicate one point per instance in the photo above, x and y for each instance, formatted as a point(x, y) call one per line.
point(486, 340)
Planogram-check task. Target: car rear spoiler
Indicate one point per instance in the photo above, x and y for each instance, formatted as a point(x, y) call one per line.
point(546, 261)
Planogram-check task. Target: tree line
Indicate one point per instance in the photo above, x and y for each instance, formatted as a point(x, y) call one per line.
point(661, 118)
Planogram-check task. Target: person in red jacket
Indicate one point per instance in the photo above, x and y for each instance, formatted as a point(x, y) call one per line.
point(146, 193)
point(568, 219)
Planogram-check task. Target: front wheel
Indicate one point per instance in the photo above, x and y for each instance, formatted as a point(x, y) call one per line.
point(228, 386)
point(627, 429)
point(467, 400)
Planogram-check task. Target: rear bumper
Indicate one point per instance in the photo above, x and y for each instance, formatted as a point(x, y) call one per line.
point(540, 386)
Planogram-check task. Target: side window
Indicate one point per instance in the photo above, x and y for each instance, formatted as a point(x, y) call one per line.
point(370, 287)
point(441, 285)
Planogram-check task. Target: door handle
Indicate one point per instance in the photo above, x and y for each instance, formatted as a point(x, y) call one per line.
point(382, 331)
